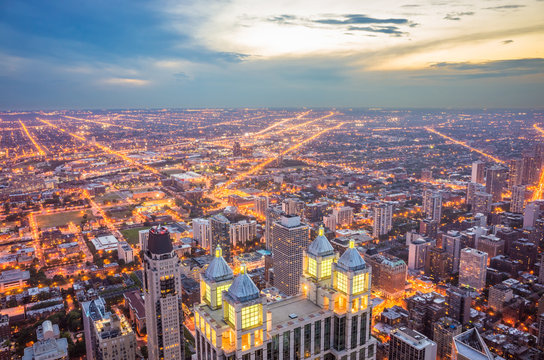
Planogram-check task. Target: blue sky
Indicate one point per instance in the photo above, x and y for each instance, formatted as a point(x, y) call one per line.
point(238, 53)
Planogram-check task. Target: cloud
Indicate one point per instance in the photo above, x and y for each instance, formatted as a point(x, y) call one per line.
point(505, 42)
point(125, 81)
point(357, 19)
point(458, 15)
point(505, 7)
point(391, 30)
point(491, 69)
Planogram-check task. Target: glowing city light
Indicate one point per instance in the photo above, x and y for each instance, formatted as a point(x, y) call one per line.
point(34, 142)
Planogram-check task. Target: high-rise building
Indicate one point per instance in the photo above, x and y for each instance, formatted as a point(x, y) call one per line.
point(432, 204)
point(417, 253)
point(143, 235)
point(236, 149)
point(472, 269)
point(383, 218)
point(499, 295)
point(242, 231)
point(388, 275)
point(491, 245)
point(518, 199)
point(438, 264)
point(531, 168)
point(469, 345)
point(472, 189)
point(273, 214)
point(443, 332)
point(330, 222)
point(478, 172)
point(343, 215)
point(220, 234)
point(330, 317)
point(532, 212)
point(452, 242)
point(541, 271)
point(201, 233)
point(458, 302)
point(290, 237)
point(108, 336)
point(292, 206)
point(515, 173)
point(540, 340)
point(495, 181)
point(261, 205)
point(482, 203)
point(162, 293)
point(410, 344)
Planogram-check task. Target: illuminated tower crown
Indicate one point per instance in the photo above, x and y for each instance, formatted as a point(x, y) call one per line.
point(319, 257)
point(216, 279)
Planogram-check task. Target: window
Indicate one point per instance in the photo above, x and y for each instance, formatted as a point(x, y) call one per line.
point(287, 345)
point(339, 336)
point(259, 354)
point(359, 283)
point(312, 267)
point(326, 267)
point(354, 324)
point(251, 316)
point(362, 332)
point(307, 340)
point(207, 294)
point(317, 337)
point(341, 282)
point(219, 294)
point(214, 338)
point(364, 302)
point(230, 315)
point(197, 319)
point(327, 334)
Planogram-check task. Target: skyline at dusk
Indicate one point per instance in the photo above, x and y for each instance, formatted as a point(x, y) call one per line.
point(240, 53)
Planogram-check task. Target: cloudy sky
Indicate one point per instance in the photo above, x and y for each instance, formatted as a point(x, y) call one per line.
point(254, 53)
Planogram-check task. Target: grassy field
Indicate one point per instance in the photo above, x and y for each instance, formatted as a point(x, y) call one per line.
point(108, 197)
point(63, 218)
point(132, 234)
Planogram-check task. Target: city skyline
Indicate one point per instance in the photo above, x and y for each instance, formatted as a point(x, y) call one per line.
point(283, 54)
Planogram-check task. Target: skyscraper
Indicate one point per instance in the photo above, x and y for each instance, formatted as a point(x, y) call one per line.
point(478, 171)
point(220, 234)
point(472, 269)
point(417, 253)
point(518, 199)
point(343, 215)
point(273, 214)
point(438, 263)
point(469, 345)
point(452, 242)
point(495, 181)
point(432, 205)
point(458, 302)
point(472, 189)
point(162, 292)
point(410, 344)
point(482, 203)
point(201, 233)
point(388, 275)
point(290, 237)
point(108, 336)
point(383, 217)
point(515, 173)
point(443, 332)
point(261, 205)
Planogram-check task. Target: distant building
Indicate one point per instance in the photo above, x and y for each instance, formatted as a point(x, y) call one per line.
point(13, 279)
point(478, 172)
point(518, 199)
point(220, 234)
point(495, 181)
point(409, 344)
point(343, 215)
point(491, 245)
point(383, 218)
point(273, 214)
point(482, 202)
point(143, 235)
point(532, 212)
point(417, 253)
point(108, 336)
point(432, 204)
point(330, 222)
point(472, 269)
point(452, 242)
point(105, 243)
point(292, 206)
point(470, 346)
point(290, 237)
point(201, 233)
point(515, 173)
point(261, 205)
point(388, 275)
point(242, 232)
point(498, 296)
point(458, 302)
point(136, 308)
point(472, 189)
point(125, 252)
point(438, 264)
point(48, 346)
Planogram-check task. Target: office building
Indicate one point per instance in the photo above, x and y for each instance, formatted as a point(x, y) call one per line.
point(409, 344)
point(290, 238)
point(329, 318)
point(515, 173)
point(343, 215)
point(518, 199)
point(491, 245)
point(143, 235)
point(469, 345)
point(330, 222)
point(417, 253)
point(458, 302)
point(432, 205)
point(482, 203)
point(108, 336)
point(201, 233)
point(495, 182)
point(472, 189)
point(499, 295)
point(452, 242)
point(388, 275)
point(438, 264)
point(220, 234)
point(383, 217)
point(478, 172)
point(242, 232)
point(261, 205)
point(273, 214)
point(162, 294)
point(443, 332)
point(472, 269)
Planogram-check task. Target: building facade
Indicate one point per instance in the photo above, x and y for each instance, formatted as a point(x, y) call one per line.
point(472, 269)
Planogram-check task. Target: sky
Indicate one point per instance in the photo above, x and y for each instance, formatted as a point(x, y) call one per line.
point(105, 54)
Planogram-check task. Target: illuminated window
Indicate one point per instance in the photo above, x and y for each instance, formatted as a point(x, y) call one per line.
point(214, 338)
point(208, 331)
point(359, 283)
point(229, 313)
point(364, 302)
point(197, 319)
point(207, 294)
point(312, 267)
point(325, 271)
point(341, 282)
point(219, 294)
point(251, 316)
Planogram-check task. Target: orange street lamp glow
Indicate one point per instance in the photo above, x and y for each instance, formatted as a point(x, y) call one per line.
point(40, 150)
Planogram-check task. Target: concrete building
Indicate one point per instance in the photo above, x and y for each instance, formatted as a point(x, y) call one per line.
point(242, 231)
point(143, 235)
point(499, 295)
point(470, 346)
point(452, 242)
point(532, 212)
point(432, 204)
point(409, 344)
point(330, 222)
point(201, 233)
point(329, 318)
point(261, 205)
point(472, 269)
point(495, 181)
point(290, 238)
point(417, 253)
point(443, 332)
point(515, 173)
point(458, 302)
point(383, 217)
point(438, 264)
point(273, 214)
point(48, 346)
point(162, 293)
point(108, 336)
point(125, 252)
point(343, 215)
point(292, 206)
point(491, 245)
point(478, 172)
point(472, 189)
point(482, 202)
point(388, 275)
point(517, 205)
point(220, 234)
